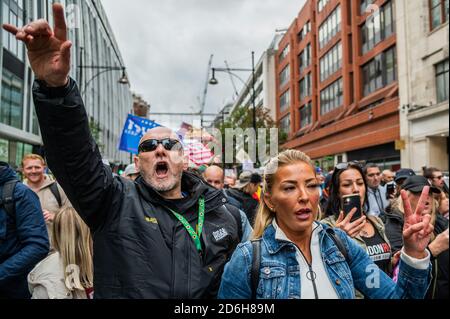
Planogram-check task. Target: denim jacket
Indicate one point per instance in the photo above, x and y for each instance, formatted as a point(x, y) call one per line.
point(280, 272)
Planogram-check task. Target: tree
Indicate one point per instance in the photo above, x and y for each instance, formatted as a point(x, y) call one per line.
point(94, 127)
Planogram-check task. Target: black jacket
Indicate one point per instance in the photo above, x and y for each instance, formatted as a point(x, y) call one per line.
point(140, 249)
point(249, 204)
point(394, 228)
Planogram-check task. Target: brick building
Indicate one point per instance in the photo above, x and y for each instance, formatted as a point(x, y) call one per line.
point(337, 82)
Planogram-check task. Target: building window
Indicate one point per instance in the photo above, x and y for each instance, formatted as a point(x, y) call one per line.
point(305, 87)
point(304, 31)
point(330, 27)
point(321, 4)
point(438, 12)
point(285, 75)
point(11, 108)
point(331, 97)
point(378, 27)
point(285, 101)
point(365, 6)
point(331, 62)
point(12, 13)
point(306, 115)
point(285, 124)
point(380, 71)
point(442, 81)
point(304, 58)
point(284, 53)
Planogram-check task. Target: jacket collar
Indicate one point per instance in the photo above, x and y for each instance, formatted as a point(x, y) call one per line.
point(275, 245)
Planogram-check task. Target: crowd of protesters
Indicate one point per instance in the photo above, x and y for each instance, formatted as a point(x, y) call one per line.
point(164, 231)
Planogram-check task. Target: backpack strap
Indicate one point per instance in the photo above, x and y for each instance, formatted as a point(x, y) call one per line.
point(338, 242)
point(55, 191)
point(7, 199)
point(256, 265)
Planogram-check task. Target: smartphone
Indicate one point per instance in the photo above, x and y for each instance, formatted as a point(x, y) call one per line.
point(390, 190)
point(348, 202)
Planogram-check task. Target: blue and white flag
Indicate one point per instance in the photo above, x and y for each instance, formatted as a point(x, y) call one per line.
point(135, 127)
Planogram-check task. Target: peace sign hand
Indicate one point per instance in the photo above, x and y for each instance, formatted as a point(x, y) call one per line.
point(417, 228)
point(48, 50)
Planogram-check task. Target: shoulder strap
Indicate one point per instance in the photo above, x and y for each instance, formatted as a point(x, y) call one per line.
point(237, 216)
point(7, 200)
point(339, 244)
point(256, 265)
point(55, 191)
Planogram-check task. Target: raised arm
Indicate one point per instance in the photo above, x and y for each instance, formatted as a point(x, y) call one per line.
point(72, 153)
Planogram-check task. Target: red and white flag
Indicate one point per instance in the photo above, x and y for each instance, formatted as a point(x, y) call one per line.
point(198, 153)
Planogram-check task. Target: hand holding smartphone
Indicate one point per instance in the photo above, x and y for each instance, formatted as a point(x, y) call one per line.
point(390, 190)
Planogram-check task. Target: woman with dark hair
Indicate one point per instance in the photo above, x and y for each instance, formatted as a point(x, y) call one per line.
point(367, 231)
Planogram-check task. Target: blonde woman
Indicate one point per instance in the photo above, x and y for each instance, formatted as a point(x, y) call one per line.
point(302, 258)
point(67, 273)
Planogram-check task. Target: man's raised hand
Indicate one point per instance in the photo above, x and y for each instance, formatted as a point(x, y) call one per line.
point(48, 50)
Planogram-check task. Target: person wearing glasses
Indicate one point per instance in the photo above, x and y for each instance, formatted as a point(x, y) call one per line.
point(376, 194)
point(301, 258)
point(165, 235)
point(436, 178)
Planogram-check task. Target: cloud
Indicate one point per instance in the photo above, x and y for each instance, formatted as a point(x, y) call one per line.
point(166, 44)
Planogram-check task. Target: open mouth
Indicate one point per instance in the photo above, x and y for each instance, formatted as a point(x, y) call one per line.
point(303, 214)
point(162, 168)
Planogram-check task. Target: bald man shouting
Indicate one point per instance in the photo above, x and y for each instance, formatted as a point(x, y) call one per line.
point(166, 235)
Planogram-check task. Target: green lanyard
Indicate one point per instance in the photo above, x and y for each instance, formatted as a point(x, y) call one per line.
point(195, 235)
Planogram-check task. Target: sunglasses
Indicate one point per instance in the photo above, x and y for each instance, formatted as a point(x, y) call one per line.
point(343, 166)
point(152, 144)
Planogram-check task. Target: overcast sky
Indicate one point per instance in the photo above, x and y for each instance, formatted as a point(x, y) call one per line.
point(166, 45)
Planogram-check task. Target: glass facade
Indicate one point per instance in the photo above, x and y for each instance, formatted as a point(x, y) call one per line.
point(306, 115)
point(330, 27)
point(380, 71)
point(378, 27)
point(442, 82)
point(331, 97)
point(285, 101)
point(331, 62)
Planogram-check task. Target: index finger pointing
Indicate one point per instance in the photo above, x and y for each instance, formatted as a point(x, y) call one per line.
point(60, 27)
point(10, 28)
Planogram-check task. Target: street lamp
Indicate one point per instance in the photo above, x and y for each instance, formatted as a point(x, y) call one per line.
point(230, 71)
point(102, 69)
point(214, 81)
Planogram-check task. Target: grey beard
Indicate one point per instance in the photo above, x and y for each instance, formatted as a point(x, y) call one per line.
point(161, 188)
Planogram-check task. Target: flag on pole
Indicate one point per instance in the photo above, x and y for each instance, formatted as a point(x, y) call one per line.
point(197, 153)
point(134, 129)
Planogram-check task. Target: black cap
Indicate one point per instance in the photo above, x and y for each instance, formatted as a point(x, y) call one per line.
point(255, 178)
point(403, 174)
point(415, 184)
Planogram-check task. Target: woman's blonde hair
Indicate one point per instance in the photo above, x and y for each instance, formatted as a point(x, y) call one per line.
point(72, 239)
point(265, 216)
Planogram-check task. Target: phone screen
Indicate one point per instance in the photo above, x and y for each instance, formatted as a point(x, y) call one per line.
point(390, 190)
point(349, 202)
